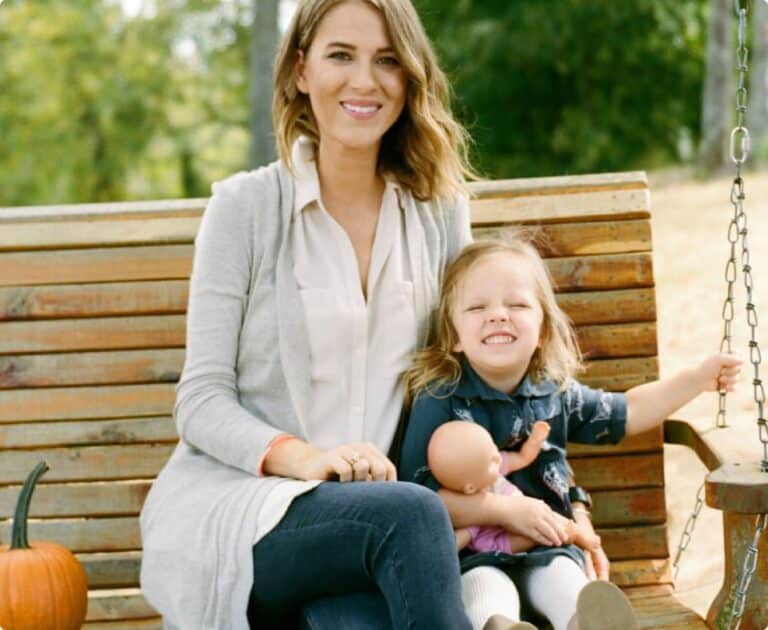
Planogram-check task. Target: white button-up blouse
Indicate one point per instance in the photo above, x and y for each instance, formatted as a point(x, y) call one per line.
point(358, 347)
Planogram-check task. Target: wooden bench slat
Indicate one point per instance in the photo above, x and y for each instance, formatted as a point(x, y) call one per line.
point(102, 498)
point(609, 307)
point(78, 266)
point(120, 367)
point(119, 533)
point(88, 463)
point(648, 441)
point(93, 300)
point(632, 543)
point(605, 271)
point(578, 239)
point(641, 572)
point(154, 623)
point(656, 607)
point(111, 570)
point(31, 435)
point(618, 375)
point(164, 331)
point(633, 203)
point(71, 403)
point(558, 184)
point(618, 508)
point(89, 233)
point(626, 471)
point(116, 604)
point(105, 333)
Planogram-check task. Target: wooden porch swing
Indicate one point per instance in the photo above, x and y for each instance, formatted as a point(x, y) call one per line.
point(92, 332)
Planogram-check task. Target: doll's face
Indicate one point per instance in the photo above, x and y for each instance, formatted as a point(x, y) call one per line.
point(463, 457)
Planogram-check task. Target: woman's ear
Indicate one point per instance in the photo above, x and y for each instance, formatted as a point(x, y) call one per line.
point(298, 68)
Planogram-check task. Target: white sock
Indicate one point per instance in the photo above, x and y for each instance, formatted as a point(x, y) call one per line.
point(554, 589)
point(488, 591)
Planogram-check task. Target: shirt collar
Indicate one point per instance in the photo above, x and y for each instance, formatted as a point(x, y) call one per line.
point(472, 386)
point(307, 184)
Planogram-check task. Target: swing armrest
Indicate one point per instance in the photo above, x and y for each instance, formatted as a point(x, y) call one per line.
point(684, 433)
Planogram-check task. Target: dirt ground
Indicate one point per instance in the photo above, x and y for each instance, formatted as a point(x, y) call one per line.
point(690, 221)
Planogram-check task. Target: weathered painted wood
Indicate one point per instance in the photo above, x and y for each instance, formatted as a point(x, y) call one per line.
point(576, 206)
point(110, 264)
point(155, 623)
point(107, 333)
point(609, 307)
point(93, 300)
point(641, 572)
point(606, 271)
point(111, 570)
point(114, 211)
point(646, 442)
point(579, 239)
point(91, 368)
point(92, 535)
point(613, 473)
point(656, 606)
point(99, 233)
point(88, 463)
point(30, 435)
point(618, 340)
point(100, 498)
point(559, 184)
point(124, 603)
point(633, 543)
point(614, 508)
point(613, 374)
point(71, 403)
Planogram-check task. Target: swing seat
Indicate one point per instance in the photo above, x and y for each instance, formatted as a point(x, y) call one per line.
point(92, 332)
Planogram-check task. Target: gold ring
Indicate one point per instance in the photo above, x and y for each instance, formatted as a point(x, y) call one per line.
point(354, 458)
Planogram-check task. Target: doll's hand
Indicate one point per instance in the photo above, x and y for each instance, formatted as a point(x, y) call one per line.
point(361, 461)
point(720, 372)
point(536, 520)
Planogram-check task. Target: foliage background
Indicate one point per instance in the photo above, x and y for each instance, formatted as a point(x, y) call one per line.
point(96, 105)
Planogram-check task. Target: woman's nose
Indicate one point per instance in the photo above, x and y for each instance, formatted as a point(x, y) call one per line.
point(363, 78)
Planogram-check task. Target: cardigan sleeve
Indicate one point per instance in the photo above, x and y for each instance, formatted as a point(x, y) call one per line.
point(208, 413)
point(460, 232)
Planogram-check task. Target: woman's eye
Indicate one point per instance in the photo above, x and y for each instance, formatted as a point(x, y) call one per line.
point(340, 55)
point(389, 61)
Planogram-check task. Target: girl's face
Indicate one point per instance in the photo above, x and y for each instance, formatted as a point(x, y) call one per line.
point(498, 317)
point(352, 77)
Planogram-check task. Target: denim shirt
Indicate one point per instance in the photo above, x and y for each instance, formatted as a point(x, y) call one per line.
point(575, 413)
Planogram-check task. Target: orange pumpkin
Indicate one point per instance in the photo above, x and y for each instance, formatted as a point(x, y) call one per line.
point(42, 585)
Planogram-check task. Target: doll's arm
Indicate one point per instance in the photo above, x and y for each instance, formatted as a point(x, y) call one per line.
point(529, 451)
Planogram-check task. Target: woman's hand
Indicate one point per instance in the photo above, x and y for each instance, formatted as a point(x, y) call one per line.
point(360, 461)
point(536, 520)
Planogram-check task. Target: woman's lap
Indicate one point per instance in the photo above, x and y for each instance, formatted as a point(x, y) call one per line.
point(373, 537)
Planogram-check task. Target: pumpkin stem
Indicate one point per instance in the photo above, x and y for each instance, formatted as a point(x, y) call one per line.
point(19, 529)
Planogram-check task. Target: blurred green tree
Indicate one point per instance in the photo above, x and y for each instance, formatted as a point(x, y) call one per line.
point(551, 86)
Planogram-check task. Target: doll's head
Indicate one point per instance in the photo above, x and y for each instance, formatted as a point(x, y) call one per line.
point(463, 457)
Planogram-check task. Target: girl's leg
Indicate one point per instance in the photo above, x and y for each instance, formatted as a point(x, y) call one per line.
point(488, 591)
point(355, 537)
point(553, 590)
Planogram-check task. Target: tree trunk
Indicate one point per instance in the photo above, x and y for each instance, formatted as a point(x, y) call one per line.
point(758, 84)
point(719, 101)
point(264, 38)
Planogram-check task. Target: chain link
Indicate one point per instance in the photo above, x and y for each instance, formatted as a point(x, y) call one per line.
point(747, 570)
point(685, 538)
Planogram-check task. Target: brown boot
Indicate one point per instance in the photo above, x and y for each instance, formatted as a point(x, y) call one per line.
point(602, 606)
point(500, 622)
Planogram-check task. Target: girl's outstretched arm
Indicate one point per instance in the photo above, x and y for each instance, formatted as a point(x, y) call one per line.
point(648, 405)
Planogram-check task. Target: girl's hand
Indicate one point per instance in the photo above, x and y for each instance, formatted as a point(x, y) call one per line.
point(361, 461)
point(720, 372)
point(536, 520)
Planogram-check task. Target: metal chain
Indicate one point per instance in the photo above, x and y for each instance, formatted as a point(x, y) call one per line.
point(747, 570)
point(685, 538)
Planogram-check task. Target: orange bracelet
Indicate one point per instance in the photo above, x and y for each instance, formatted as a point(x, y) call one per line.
point(278, 439)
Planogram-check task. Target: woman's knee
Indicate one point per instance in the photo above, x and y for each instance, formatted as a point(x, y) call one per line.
point(418, 504)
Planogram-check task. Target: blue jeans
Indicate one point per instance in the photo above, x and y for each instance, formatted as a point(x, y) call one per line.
point(359, 556)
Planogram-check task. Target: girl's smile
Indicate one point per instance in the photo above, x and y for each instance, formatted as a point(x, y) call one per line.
point(497, 317)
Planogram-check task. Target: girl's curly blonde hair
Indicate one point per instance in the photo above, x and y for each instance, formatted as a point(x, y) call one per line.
point(558, 356)
point(426, 149)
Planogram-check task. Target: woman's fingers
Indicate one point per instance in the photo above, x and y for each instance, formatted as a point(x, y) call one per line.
point(362, 462)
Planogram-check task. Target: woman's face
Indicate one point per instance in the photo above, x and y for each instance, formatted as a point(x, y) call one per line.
point(352, 77)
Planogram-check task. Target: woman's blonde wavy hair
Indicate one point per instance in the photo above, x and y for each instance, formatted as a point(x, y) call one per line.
point(426, 149)
point(557, 358)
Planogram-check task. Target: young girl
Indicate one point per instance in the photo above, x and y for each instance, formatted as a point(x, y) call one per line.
point(503, 357)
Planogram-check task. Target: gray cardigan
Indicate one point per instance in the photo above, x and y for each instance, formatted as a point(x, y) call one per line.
point(246, 380)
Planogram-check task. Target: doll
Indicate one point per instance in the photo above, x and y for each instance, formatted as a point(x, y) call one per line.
point(463, 458)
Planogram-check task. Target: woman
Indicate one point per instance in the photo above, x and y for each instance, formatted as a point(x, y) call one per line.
point(312, 284)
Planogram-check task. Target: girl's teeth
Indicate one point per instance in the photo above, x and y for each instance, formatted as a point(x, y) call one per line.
point(360, 110)
point(499, 339)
